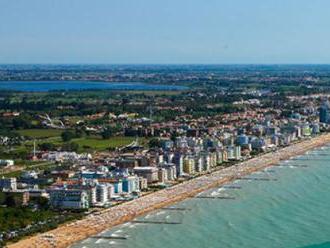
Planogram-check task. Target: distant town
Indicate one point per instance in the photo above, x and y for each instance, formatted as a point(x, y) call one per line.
point(66, 154)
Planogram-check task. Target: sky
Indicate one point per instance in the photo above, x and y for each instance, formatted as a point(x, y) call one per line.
point(165, 31)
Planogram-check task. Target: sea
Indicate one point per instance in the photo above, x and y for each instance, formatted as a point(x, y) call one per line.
point(288, 207)
point(44, 86)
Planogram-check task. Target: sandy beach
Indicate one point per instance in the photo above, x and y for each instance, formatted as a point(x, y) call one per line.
point(67, 234)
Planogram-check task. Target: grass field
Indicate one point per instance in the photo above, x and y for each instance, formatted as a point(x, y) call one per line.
point(92, 143)
point(17, 173)
point(101, 144)
point(40, 133)
point(153, 93)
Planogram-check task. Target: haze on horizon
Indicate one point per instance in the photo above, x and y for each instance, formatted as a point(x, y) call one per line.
point(171, 31)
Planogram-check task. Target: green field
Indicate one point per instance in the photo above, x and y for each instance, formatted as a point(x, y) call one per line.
point(101, 144)
point(12, 174)
point(153, 93)
point(40, 133)
point(89, 143)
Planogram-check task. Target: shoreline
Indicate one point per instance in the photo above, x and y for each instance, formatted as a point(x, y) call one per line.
point(68, 234)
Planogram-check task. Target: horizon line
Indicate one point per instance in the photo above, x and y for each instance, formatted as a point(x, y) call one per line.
point(170, 64)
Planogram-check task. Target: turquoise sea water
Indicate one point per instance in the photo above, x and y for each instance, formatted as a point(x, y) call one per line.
point(43, 86)
point(292, 211)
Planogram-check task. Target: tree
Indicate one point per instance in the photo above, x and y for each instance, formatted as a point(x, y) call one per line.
point(67, 136)
point(2, 199)
point(107, 133)
point(70, 147)
point(21, 123)
point(155, 142)
point(79, 133)
point(10, 201)
point(42, 202)
point(46, 146)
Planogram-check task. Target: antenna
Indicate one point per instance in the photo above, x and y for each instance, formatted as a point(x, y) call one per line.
point(150, 107)
point(150, 112)
point(34, 150)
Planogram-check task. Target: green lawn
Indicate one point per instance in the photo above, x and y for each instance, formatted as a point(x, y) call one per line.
point(12, 174)
point(101, 144)
point(40, 133)
point(153, 93)
point(95, 143)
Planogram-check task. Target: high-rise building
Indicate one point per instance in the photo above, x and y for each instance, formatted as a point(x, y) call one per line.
point(178, 161)
point(162, 175)
point(102, 195)
point(325, 112)
point(189, 165)
point(8, 183)
point(130, 184)
point(69, 199)
point(242, 139)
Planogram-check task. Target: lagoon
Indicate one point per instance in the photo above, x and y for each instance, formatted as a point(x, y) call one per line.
point(45, 86)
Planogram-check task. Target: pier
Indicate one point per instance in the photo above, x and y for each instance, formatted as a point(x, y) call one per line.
point(176, 209)
point(295, 165)
point(299, 165)
point(108, 237)
point(321, 154)
point(231, 187)
point(155, 222)
point(215, 197)
point(257, 179)
point(308, 159)
point(269, 171)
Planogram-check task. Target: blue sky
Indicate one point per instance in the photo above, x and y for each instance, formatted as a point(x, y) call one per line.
point(165, 31)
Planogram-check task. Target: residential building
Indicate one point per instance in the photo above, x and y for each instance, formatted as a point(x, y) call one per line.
point(63, 198)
